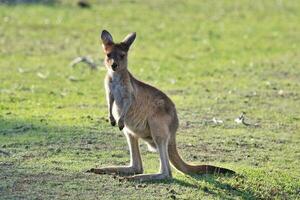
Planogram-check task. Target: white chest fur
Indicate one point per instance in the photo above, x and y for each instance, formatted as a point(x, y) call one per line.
point(118, 90)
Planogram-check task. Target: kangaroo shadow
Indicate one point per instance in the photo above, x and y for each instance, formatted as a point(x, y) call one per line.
point(224, 190)
point(230, 189)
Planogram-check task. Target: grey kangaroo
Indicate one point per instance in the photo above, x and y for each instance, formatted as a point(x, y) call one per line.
point(142, 112)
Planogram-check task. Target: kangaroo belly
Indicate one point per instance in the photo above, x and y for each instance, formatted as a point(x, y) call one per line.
point(135, 120)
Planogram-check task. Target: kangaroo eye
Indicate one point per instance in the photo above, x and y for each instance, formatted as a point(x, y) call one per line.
point(122, 55)
point(109, 55)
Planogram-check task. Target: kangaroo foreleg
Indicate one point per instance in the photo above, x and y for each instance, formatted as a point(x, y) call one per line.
point(110, 101)
point(126, 105)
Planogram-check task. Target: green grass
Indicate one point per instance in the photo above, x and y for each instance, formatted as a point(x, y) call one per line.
point(213, 58)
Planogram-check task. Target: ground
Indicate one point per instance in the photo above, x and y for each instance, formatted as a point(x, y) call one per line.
point(215, 59)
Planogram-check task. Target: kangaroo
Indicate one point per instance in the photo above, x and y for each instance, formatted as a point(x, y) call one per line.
point(142, 112)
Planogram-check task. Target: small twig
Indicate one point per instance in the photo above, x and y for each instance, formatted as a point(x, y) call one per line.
point(5, 153)
point(42, 76)
point(89, 61)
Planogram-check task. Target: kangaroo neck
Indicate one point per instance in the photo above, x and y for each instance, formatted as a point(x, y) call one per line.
point(120, 76)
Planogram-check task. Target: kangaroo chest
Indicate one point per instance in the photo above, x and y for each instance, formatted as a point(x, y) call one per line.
point(119, 92)
point(122, 91)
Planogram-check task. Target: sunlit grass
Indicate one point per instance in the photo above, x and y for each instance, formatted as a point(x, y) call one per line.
point(215, 59)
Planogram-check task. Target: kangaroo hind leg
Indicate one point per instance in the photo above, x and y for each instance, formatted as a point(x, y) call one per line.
point(160, 134)
point(135, 166)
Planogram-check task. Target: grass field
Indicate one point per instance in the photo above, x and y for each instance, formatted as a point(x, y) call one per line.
point(215, 59)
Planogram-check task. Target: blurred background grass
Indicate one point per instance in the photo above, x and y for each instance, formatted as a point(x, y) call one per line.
point(213, 58)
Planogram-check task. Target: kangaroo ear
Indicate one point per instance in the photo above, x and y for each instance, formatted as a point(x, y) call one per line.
point(128, 40)
point(106, 37)
point(107, 40)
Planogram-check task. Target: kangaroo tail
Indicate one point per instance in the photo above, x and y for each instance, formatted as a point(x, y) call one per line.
point(182, 166)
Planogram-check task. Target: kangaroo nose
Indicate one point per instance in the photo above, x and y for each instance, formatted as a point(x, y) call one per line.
point(114, 66)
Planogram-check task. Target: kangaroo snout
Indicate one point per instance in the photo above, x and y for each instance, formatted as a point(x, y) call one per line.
point(114, 66)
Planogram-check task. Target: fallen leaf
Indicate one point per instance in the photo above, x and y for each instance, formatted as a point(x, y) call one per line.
point(281, 92)
point(217, 121)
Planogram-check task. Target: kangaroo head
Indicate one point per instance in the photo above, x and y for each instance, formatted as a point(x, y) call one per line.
point(116, 53)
